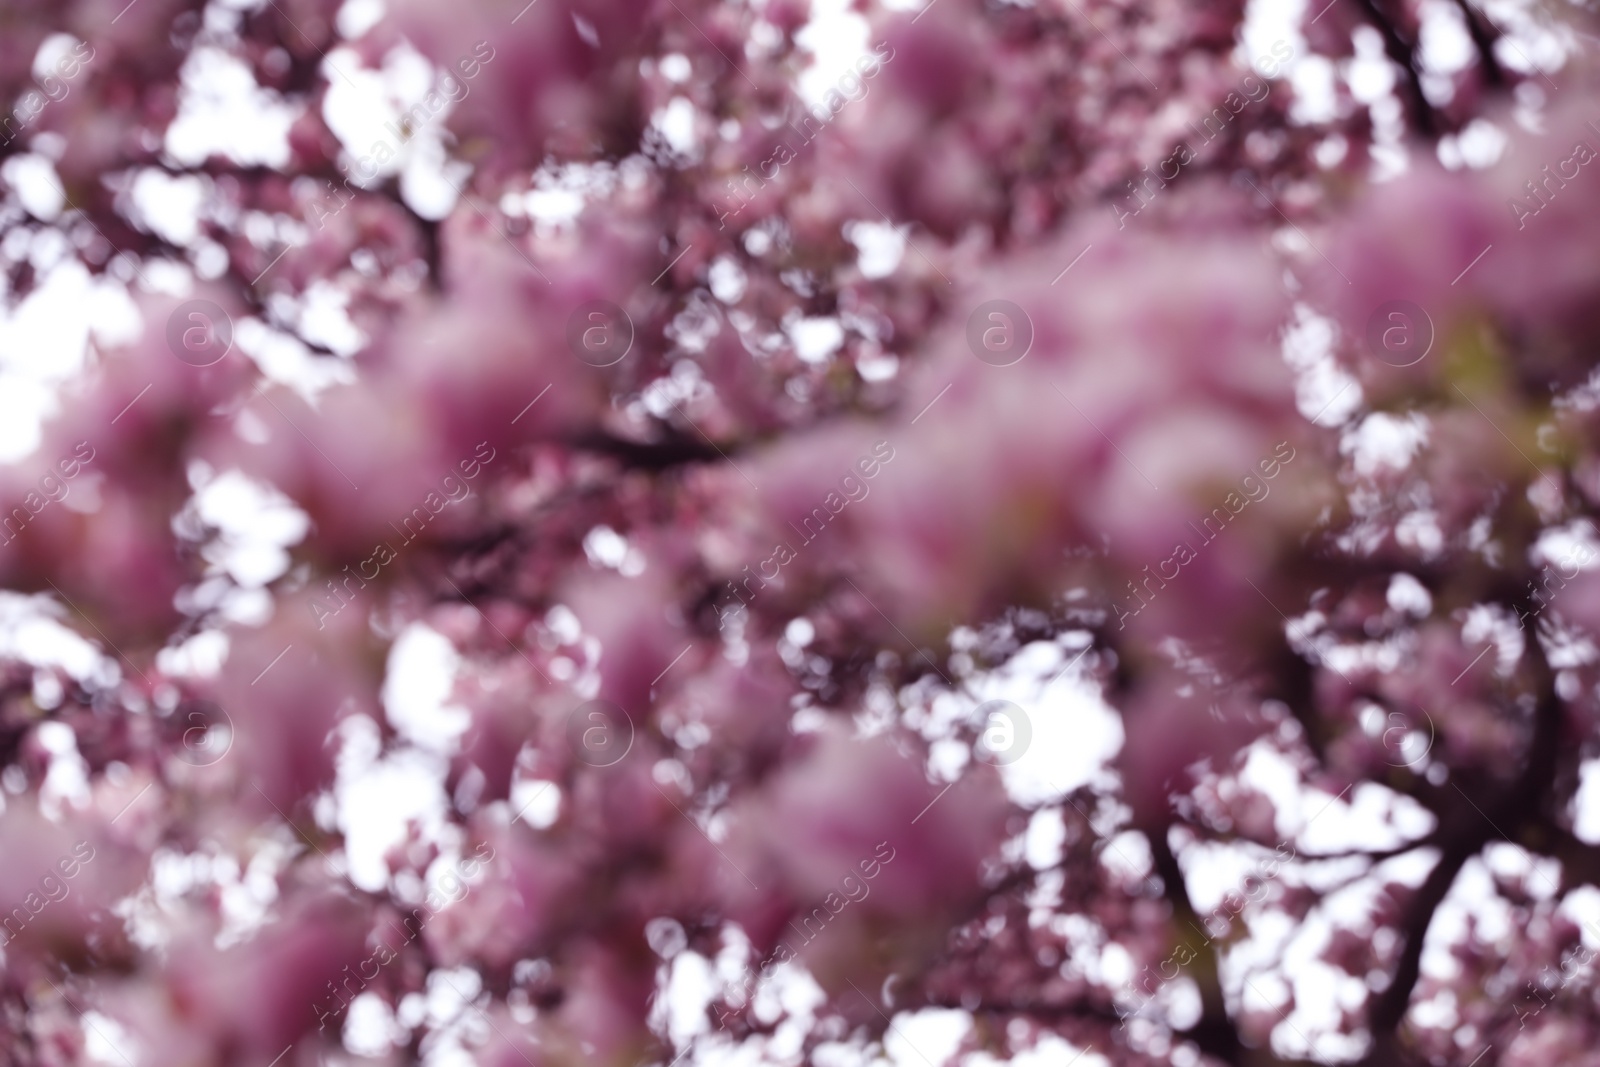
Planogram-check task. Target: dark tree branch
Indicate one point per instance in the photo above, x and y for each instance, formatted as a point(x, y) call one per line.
point(1374, 855)
point(1580, 862)
point(652, 456)
point(1470, 829)
point(1214, 1032)
point(1404, 53)
point(1054, 1012)
point(1493, 74)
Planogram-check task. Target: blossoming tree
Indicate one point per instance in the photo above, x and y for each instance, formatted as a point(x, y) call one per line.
point(707, 522)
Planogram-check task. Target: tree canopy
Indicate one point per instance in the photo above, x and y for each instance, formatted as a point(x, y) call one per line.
point(699, 533)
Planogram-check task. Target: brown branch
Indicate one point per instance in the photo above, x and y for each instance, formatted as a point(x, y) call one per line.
point(1493, 74)
point(1404, 54)
point(1580, 862)
point(1374, 855)
point(1472, 826)
point(1214, 1032)
point(1056, 1012)
point(652, 456)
